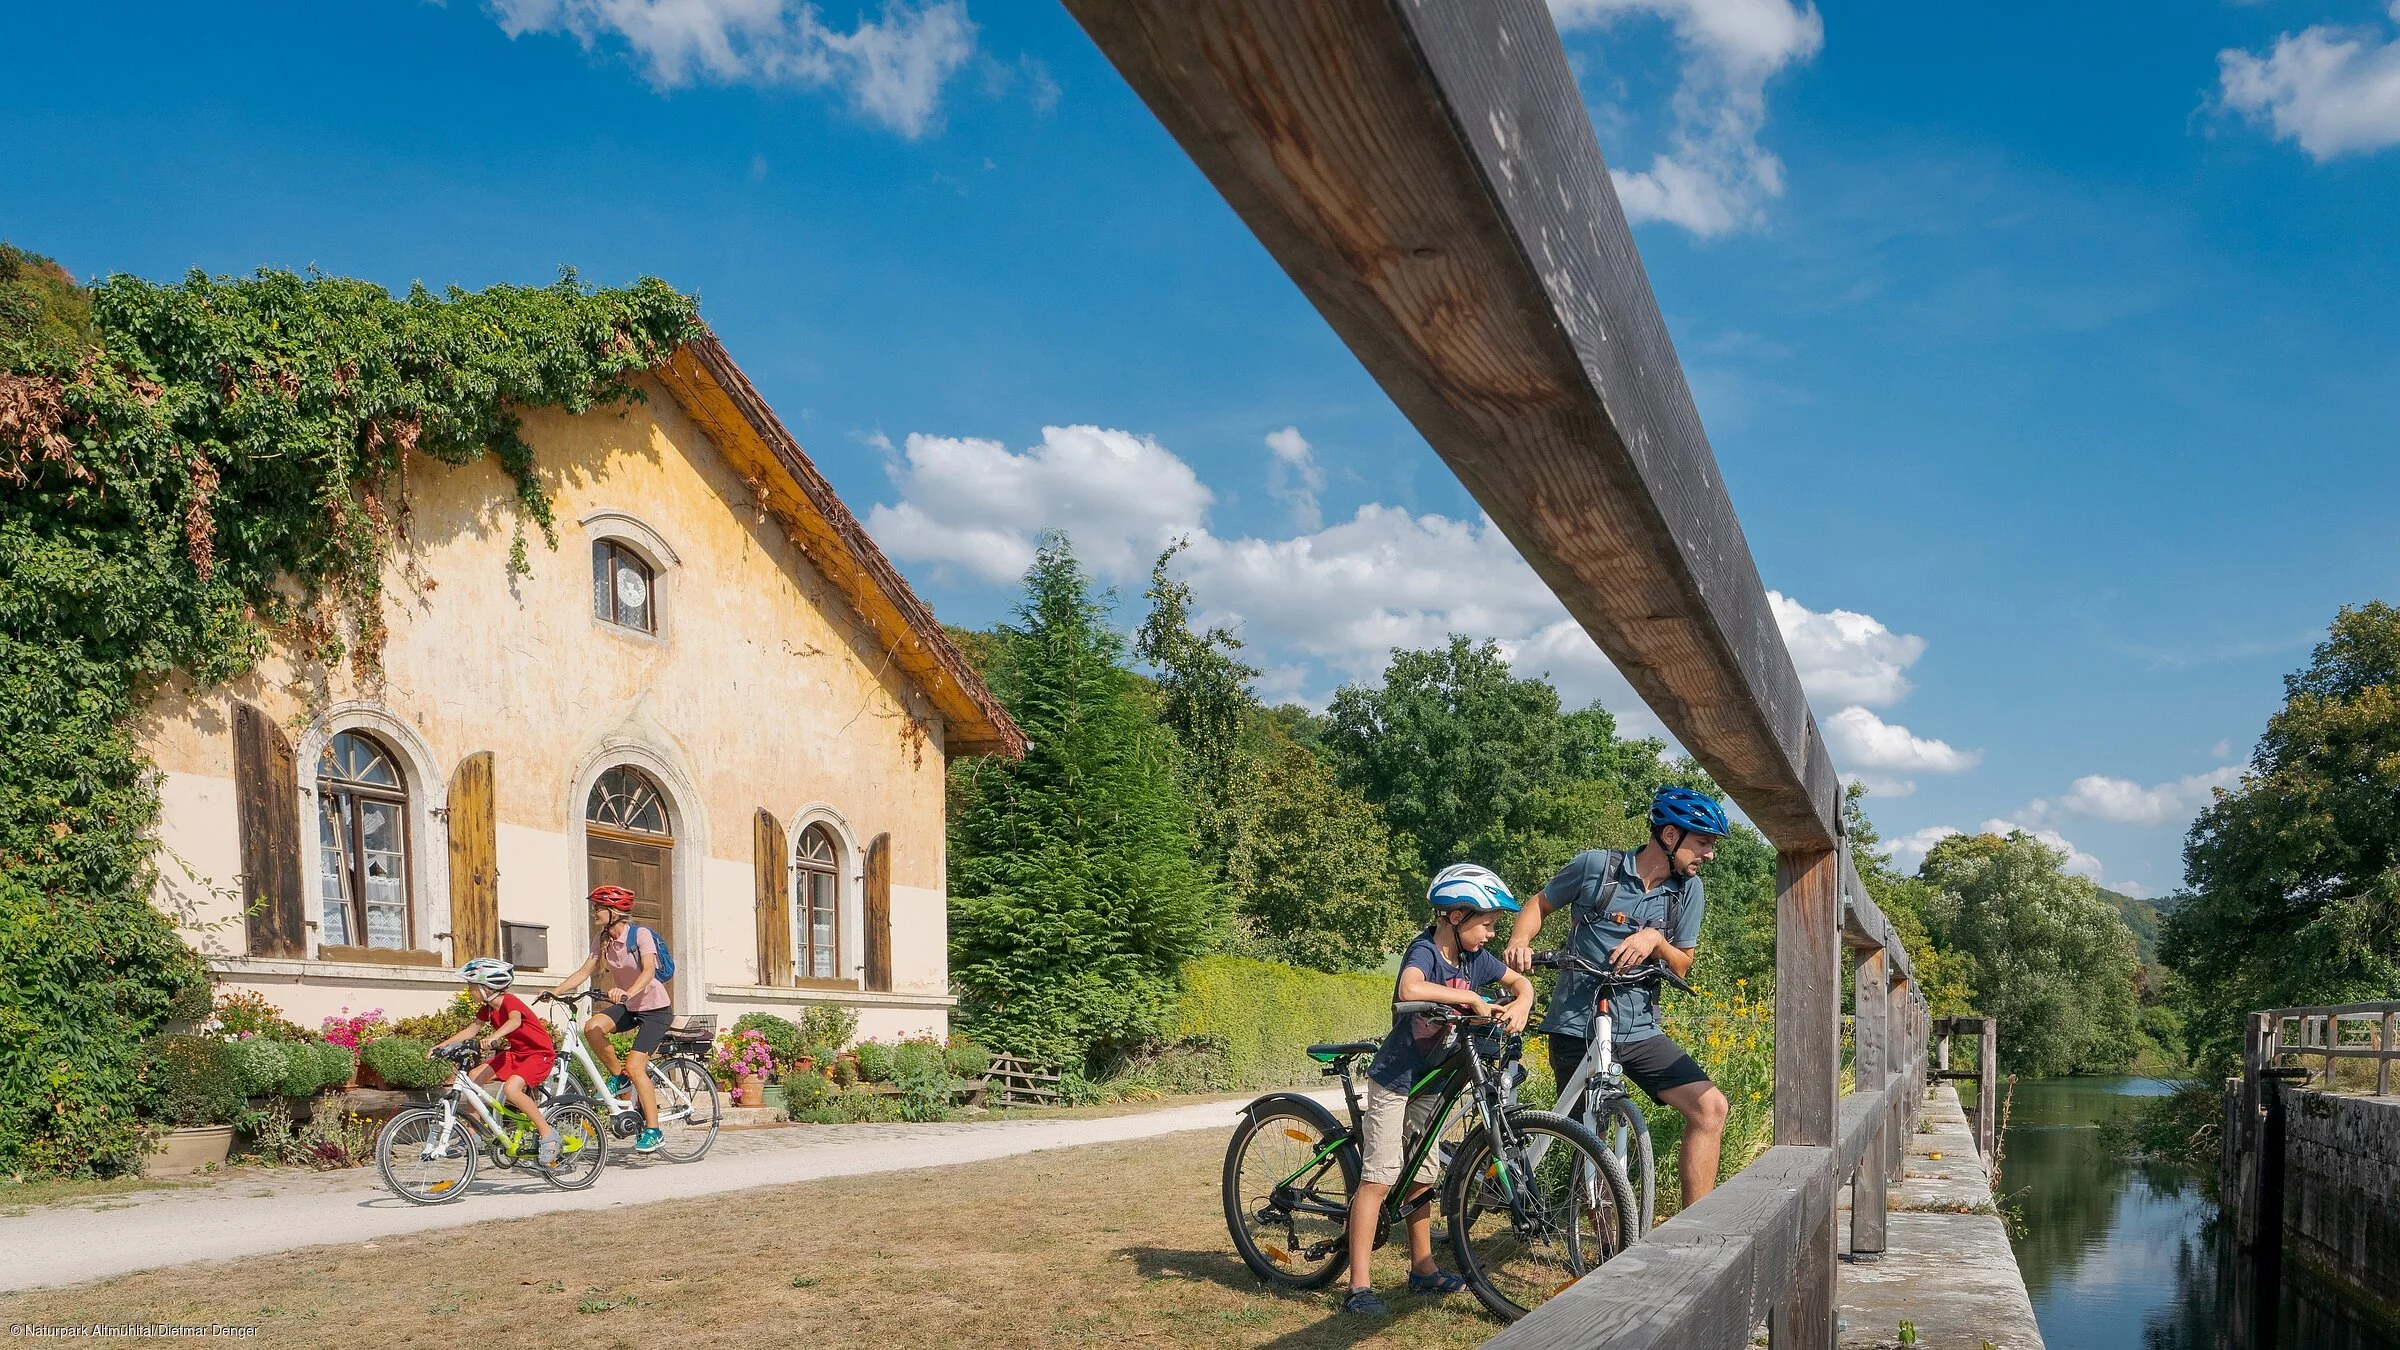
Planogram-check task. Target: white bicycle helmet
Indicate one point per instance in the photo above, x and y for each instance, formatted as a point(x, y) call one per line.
point(1467, 886)
point(489, 971)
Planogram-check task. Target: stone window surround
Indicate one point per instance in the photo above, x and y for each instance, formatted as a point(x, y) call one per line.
point(427, 787)
point(636, 534)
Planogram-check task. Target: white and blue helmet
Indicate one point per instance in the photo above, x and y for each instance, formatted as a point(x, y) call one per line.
point(488, 971)
point(1467, 886)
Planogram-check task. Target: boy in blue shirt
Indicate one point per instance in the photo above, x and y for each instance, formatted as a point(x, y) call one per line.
point(1447, 963)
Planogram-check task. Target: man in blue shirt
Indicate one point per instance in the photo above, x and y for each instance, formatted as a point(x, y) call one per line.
point(1627, 909)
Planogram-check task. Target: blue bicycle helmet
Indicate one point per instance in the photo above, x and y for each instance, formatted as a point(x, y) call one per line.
point(1466, 886)
point(1689, 811)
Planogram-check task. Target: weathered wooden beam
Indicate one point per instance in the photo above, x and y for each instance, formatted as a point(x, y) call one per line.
point(1427, 173)
point(1808, 1065)
point(1871, 999)
point(1704, 1279)
point(1987, 1088)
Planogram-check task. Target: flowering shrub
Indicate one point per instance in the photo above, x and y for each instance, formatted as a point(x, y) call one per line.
point(1733, 1038)
point(745, 1054)
point(243, 1013)
point(349, 1030)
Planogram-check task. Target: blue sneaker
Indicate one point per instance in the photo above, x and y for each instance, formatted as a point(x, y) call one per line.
point(619, 1085)
point(648, 1140)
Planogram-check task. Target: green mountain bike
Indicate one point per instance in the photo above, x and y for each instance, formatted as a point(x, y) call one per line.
point(1532, 1200)
point(428, 1154)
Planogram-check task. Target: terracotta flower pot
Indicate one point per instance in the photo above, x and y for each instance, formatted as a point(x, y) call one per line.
point(752, 1091)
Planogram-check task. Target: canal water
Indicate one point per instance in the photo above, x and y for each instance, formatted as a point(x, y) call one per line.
point(2119, 1254)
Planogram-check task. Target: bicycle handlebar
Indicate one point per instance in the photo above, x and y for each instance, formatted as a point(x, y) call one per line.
point(1643, 973)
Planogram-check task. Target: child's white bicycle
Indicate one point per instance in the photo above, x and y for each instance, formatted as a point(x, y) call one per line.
point(689, 1109)
point(428, 1154)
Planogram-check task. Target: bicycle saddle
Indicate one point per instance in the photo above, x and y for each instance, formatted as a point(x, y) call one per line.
point(1330, 1051)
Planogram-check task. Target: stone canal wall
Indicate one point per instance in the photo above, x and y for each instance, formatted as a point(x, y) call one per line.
point(2341, 1186)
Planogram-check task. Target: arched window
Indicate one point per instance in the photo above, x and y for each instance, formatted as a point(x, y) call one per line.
point(362, 845)
point(628, 842)
point(820, 903)
point(624, 587)
point(625, 799)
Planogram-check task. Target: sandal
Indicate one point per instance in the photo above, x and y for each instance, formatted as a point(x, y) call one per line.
point(1440, 1284)
point(1364, 1303)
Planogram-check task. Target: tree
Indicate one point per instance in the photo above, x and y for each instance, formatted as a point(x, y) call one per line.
point(1204, 698)
point(1075, 896)
point(1311, 866)
point(1943, 976)
point(1474, 764)
point(2052, 961)
point(2295, 874)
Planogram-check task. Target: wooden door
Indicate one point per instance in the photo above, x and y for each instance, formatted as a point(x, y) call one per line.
point(879, 914)
point(267, 811)
point(474, 861)
point(643, 868)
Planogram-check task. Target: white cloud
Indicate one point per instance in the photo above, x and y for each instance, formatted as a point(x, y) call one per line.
point(1717, 173)
point(1909, 850)
point(979, 506)
point(2333, 90)
point(1335, 600)
point(1294, 477)
point(1844, 656)
point(892, 69)
point(1864, 741)
point(2121, 801)
point(2222, 749)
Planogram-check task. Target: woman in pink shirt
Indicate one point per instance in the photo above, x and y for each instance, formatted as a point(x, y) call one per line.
point(628, 954)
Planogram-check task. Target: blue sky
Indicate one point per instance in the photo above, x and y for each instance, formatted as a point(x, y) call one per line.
point(2048, 349)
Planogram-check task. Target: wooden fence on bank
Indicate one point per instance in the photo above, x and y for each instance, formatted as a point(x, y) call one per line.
point(1426, 173)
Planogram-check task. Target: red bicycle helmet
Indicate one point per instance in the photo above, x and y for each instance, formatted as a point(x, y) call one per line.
point(613, 897)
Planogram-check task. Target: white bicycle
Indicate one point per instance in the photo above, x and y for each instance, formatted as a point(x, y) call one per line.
point(428, 1154)
point(689, 1110)
point(1595, 1092)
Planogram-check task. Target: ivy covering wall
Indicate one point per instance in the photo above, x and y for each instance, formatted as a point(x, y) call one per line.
point(189, 472)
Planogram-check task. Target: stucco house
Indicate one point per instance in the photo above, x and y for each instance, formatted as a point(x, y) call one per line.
point(716, 691)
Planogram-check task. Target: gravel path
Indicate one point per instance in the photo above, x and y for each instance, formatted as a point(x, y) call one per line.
point(249, 1214)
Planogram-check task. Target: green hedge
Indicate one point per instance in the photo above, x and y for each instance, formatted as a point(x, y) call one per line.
point(1263, 1016)
point(198, 1083)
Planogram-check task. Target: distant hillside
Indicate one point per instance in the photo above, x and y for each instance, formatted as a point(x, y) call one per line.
point(2143, 918)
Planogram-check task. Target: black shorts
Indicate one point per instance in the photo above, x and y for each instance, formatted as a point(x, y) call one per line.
point(1656, 1064)
point(648, 1028)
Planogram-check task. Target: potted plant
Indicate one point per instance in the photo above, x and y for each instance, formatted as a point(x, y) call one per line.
point(747, 1059)
point(200, 1095)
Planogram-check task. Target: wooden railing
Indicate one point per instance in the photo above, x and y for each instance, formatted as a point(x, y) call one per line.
point(1985, 1075)
point(2349, 1031)
point(1426, 173)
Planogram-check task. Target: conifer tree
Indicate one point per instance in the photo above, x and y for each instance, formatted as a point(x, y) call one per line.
point(1075, 896)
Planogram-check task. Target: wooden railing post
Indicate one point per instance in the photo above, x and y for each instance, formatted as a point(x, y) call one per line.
point(1908, 1033)
point(1987, 1086)
point(1871, 1000)
point(1808, 1068)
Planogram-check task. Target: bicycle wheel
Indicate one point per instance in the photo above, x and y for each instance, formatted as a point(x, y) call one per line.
point(1522, 1229)
point(582, 1147)
point(421, 1165)
point(687, 1108)
point(1289, 1173)
point(1626, 1135)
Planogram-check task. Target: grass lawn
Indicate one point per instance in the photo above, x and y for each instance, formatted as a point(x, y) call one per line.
point(1114, 1244)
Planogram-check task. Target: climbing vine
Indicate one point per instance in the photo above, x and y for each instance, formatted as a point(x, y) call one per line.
point(188, 473)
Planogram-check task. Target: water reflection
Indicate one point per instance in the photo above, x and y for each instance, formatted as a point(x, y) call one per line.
point(2118, 1255)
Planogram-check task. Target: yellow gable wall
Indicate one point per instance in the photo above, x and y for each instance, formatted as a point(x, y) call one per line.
point(758, 691)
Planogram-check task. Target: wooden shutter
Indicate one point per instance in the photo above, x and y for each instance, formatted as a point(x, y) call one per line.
point(879, 914)
point(474, 860)
point(267, 797)
point(774, 906)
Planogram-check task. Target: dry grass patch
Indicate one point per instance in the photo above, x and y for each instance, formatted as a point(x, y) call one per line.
point(1115, 1244)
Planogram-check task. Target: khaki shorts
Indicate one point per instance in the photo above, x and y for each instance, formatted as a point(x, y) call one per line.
point(1390, 1123)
